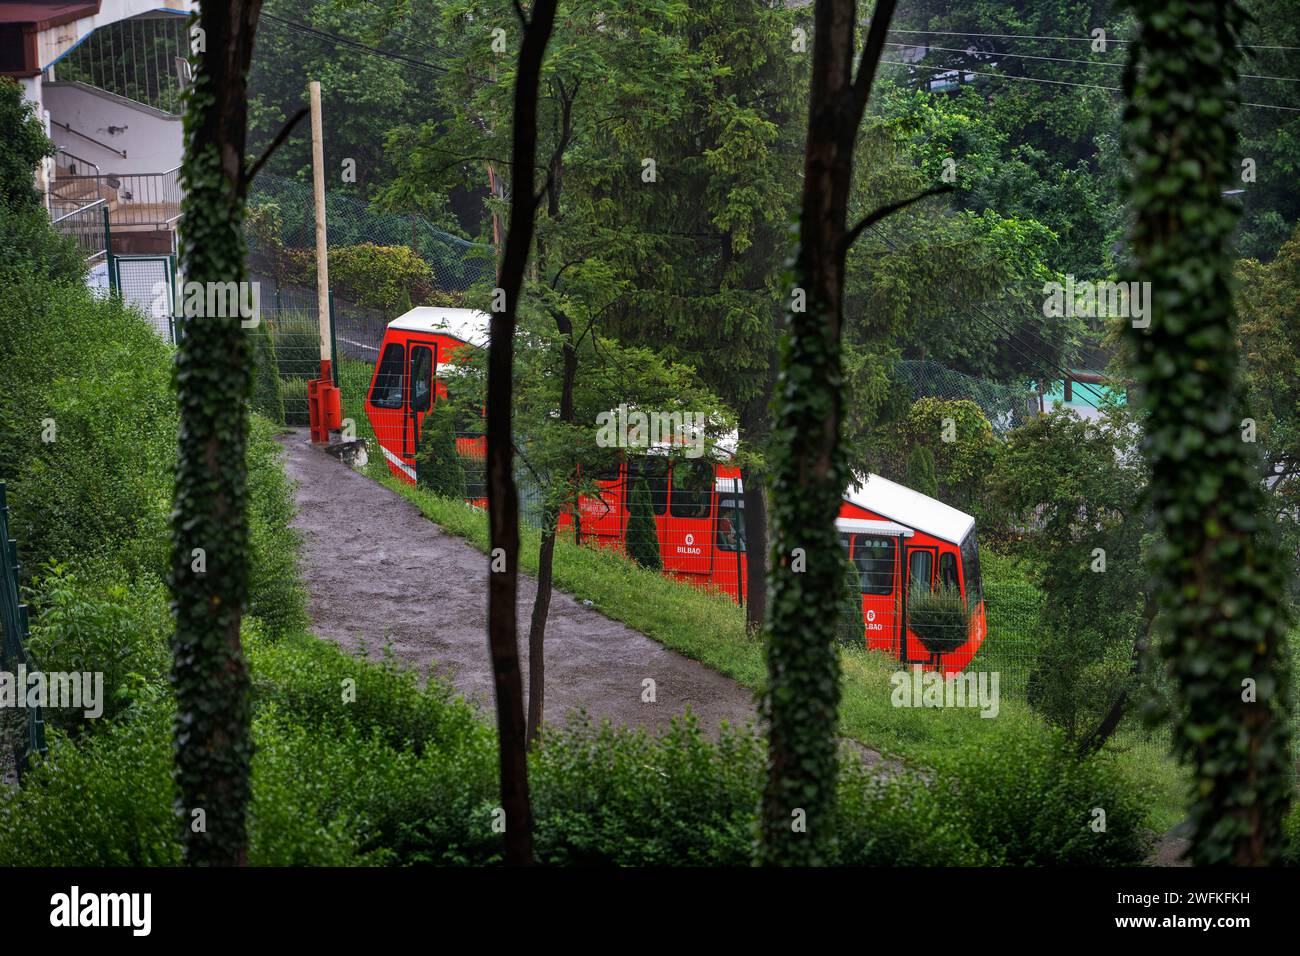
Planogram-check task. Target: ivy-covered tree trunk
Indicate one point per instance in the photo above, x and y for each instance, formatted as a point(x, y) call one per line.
point(213, 376)
point(1219, 577)
point(503, 498)
point(808, 472)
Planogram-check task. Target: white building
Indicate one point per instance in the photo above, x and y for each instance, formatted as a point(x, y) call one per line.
point(106, 77)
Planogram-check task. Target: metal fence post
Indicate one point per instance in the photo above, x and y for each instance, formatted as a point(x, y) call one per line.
point(14, 622)
point(334, 344)
point(108, 253)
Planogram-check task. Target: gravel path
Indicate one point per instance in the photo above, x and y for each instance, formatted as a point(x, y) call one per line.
point(379, 573)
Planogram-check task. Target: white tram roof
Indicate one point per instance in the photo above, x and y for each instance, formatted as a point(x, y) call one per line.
point(468, 325)
point(911, 508)
point(905, 510)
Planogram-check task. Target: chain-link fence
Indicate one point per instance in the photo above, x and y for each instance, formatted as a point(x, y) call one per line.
point(282, 220)
point(1005, 406)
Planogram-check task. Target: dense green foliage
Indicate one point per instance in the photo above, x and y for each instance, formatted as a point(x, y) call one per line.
point(437, 465)
point(642, 536)
point(940, 619)
point(25, 146)
point(1217, 573)
point(30, 245)
point(1075, 489)
point(404, 774)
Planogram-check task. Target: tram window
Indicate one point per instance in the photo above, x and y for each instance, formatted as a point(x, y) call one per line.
point(421, 378)
point(610, 471)
point(692, 490)
point(948, 571)
point(390, 378)
point(655, 472)
point(970, 559)
point(731, 524)
point(874, 558)
point(920, 570)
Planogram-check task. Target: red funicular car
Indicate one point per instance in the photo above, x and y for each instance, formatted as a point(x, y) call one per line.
point(898, 540)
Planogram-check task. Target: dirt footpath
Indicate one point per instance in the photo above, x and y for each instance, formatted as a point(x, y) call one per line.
point(379, 573)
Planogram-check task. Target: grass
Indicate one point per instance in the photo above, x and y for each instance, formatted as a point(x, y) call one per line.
point(708, 627)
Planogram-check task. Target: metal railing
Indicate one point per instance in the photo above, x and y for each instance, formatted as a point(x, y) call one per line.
point(134, 199)
point(142, 59)
point(89, 139)
point(72, 169)
point(85, 226)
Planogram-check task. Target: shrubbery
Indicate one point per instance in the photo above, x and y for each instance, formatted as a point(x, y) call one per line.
point(357, 762)
point(93, 379)
point(642, 535)
point(1035, 804)
point(940, 619)
point(437, 464)
point(407, 775)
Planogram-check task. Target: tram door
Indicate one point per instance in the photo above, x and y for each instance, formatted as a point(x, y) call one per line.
point(877, 559)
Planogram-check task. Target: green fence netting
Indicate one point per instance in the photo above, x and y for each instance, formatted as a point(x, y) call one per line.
point(13, 651)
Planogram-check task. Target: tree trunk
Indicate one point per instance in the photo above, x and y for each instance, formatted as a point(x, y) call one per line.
point(503, 500)
point(537, 627)
point(755, 428)
point(546, 550)
point(808, 476)
point(210, 537)
point(1218, 573)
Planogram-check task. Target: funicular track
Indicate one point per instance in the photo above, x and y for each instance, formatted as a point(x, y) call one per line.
point(380, 574)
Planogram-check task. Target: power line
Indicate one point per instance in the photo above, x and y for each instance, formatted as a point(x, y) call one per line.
point(1085, 86)
point(1025, 36)
point(355, 44)
point(1057, 59)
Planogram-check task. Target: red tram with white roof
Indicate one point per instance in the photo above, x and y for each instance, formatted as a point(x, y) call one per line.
point(898, 540)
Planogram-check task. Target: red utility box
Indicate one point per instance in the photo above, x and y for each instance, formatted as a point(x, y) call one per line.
point(324, 408)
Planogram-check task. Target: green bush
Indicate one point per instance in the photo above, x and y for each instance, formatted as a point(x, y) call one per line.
point(25, 146)
point(275, 591)
point(623, 797)
point(296, 340)
point(87, 427)
point(1034, 803)
point(106, 801)
point(94, 379)
point(32, 247)
point(267, 399)
point(293, 391)
point(96, 620)
point(1076, 676)
point(381, 277)
point(851, 626)
point(898, 821)
point(940, 618)
point(919, 475)
point(642, 536)
point(320, 686)
point(437, 465)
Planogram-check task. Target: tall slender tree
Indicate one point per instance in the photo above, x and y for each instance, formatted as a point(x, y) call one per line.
point(1219, 579)
point(213, 376)
point(503, 498)
point(808, 471)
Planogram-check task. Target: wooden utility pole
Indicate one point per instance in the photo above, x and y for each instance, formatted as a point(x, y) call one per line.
point(322, 395)
point(322, 241)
